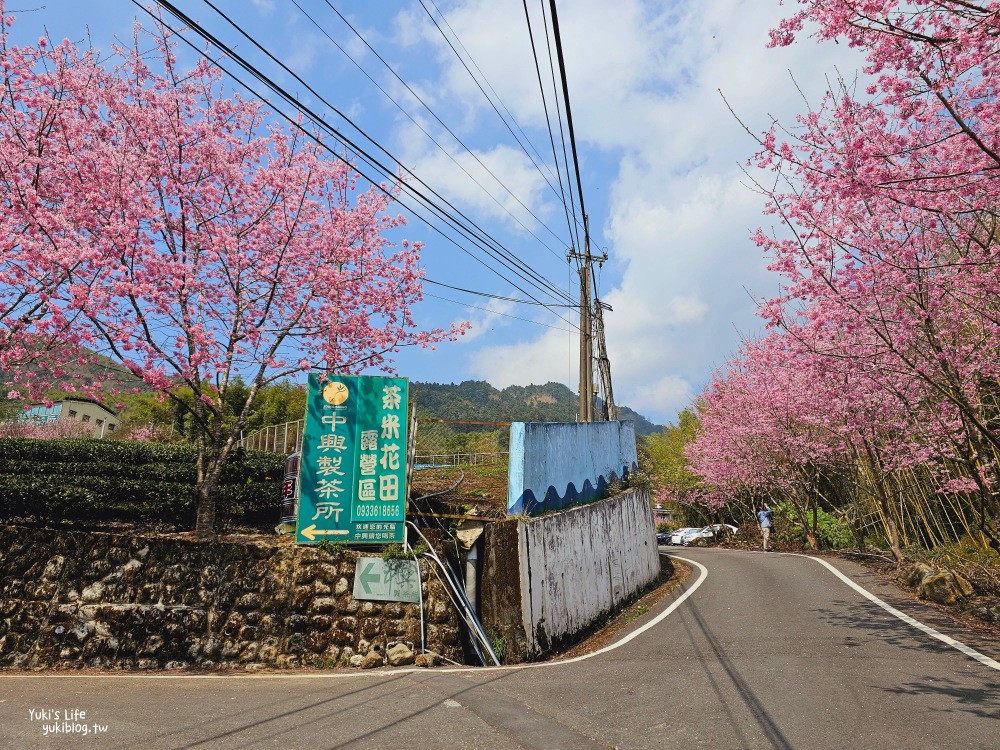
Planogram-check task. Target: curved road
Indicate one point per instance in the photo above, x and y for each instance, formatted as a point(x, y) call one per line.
point(768, 651)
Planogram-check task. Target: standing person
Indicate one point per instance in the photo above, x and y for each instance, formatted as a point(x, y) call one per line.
point(764, 518)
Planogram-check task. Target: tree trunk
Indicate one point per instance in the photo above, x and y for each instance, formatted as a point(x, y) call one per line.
point(204, 527)
point(804, 521)
point(879, 493)
point(890, 524)
point(210, 466)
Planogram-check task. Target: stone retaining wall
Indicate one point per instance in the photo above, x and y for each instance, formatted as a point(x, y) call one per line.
point(72, 599)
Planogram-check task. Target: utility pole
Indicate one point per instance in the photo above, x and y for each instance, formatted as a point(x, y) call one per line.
point(586, 403)
point(586, 326)
point(609, 411)
point(586, 409)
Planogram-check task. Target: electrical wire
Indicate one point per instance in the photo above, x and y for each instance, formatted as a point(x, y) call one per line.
point(486, 80)
point(279, 90)
point(480, 87)
point(506, 259)
point(494, 312)
point(569, 112)
point(491, 296)
point(433, 114)
point(559, 118)
point(548, 121)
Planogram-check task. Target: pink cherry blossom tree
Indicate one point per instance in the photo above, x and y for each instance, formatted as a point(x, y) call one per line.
point(887, 237)
point(223, 245)
point(50, 214)
point(881, 369)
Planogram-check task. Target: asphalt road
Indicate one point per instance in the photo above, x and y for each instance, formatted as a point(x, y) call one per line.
point(766, 651)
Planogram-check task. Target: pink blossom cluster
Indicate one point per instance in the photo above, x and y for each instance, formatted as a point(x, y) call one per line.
point(149, 215)
point(44, 430)
point(884, 343)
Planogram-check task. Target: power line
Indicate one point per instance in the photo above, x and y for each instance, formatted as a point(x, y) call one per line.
point(499, 253)
point(569, 112)
point(496, 312)
point(380, 167)
point(492, 296)
point(488, 84)
point(481, 89)
point(588, 331)
point(429, 224)
point(562, 134)
point(433, 114)
point(548, 122)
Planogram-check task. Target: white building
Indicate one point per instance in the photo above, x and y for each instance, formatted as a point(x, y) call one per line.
point(95, 417)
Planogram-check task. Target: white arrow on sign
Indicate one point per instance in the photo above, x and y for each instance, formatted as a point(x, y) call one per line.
point(311, 532)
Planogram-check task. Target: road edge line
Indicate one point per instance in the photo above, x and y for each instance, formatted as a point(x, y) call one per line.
point(640, 630)
point(926, 629)
point(611, 646)
point(430, 672)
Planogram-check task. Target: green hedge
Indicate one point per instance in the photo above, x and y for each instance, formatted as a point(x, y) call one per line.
point(831, 532)
point(90, 480)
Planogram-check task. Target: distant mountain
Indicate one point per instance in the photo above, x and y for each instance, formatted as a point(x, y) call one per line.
point(82, 369)
point(478, 401)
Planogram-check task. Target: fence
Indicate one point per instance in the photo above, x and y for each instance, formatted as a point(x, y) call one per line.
point(278, 438)
point(439, 441)
point(455, 442)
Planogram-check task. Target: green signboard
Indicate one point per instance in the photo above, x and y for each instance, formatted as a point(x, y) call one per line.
point(352, 481)
point(387, 580)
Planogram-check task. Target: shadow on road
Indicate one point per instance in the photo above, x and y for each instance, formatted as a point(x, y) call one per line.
point(983, 702)
point(326, 706)
point(272, 726)
point(876, 623)
point(871, 623)
point(757, 710)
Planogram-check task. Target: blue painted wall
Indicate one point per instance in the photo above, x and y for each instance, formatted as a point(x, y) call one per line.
point(554, 464)
point(39, 413)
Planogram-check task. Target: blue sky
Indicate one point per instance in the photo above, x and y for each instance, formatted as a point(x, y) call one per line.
point(660, 155)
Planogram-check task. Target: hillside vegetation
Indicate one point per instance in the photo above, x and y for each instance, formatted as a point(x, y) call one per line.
point(477, 400)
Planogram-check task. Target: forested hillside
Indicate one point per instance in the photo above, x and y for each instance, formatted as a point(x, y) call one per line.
point(477, 400)
point(474, 400)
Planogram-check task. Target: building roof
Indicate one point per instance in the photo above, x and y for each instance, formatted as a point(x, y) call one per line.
point(79, 399)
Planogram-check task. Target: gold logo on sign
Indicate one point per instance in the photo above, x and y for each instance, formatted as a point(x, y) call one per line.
point(335, 393)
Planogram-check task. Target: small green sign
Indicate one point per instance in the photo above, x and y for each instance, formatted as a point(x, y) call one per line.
point(387, 580)
point(353, 470)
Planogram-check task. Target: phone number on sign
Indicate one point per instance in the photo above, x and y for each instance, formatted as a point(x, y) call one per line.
point(376, 512)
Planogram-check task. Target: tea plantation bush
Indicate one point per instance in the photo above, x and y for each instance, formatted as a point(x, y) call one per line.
point(87, 480)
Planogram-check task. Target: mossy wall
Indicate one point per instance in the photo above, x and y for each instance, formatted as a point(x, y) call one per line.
point(73, 599)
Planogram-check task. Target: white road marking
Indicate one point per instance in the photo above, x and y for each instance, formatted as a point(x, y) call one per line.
point(652, 623)
point(957, 645)
point(396, 672)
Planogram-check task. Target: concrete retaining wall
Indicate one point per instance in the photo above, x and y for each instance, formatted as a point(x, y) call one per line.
point(566, 570)
point(72, 599)
point(553, 465)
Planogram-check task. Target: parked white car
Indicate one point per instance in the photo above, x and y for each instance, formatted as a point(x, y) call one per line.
point(678, 536)
point(708, 532)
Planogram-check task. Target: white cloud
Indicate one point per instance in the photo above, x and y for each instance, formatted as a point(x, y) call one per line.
point(486, 319)
point(686, 309)
point(304, 53)
point(551, 357)
point(499, 183)
point(645, 80)
point(668, 395)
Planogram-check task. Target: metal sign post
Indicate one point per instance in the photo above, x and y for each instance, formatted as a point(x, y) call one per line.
point(353, 472)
